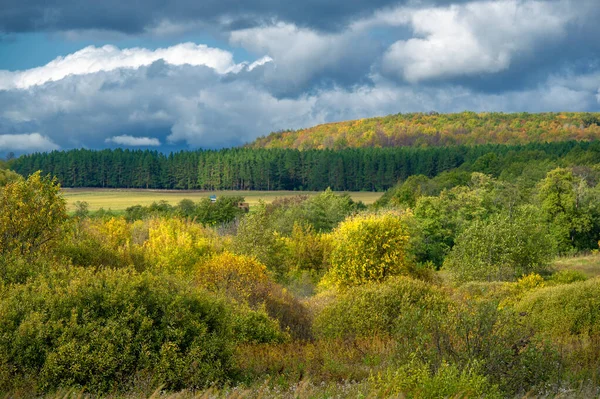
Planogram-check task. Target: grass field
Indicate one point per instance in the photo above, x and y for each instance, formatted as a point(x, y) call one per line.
point(587, 264)
point(120, 199)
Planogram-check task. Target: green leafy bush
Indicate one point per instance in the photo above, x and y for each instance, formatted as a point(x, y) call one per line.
point(499, 249)
point(8, 176)
point(257, 237)
point(502, 343)
point(566, 277)
point(564, 310)
point(102, 330)
point(400, 305)
point(416, 380)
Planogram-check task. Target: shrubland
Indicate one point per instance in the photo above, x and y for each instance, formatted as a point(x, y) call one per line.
point(445, 288)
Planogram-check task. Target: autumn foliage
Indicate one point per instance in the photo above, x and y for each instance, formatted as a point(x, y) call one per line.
point(368, 248)
point(420, 129)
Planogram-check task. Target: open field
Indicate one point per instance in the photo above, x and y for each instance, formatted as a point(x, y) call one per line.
point(120, 199)
point(587, 264)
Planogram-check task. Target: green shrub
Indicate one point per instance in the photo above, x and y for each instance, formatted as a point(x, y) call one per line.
point(489, 290)
point(100, 330)
point(8, 176)
point(416, 380)
point(564, 310)
point(89, 252)
point(566, 277)
point(399, 306)
point(500, 249)
point(258, 238)
point(500, 341)
point(15, 269)
point(255, 326)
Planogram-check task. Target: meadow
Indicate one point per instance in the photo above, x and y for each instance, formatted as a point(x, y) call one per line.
point(586, 264)
point(460, 285)
point(120, 199)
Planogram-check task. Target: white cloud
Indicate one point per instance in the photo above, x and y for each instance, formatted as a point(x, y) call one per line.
point(133, 141)
point(234, 113)
point(472, 38)
point(30, 142)
point(298, 53)
point(192, 106)
point(107, 58)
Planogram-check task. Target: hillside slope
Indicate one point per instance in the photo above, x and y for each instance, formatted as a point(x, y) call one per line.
point(419, 130)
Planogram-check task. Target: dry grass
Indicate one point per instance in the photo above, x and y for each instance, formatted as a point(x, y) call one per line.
point(587, 264)
point(120, 199)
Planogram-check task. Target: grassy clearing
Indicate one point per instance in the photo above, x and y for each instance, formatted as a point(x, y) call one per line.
point(587, 264)
point(120, 199)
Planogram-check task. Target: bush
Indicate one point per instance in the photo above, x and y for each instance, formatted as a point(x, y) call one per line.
point(8, 176)
point(416, 380)
point(500, 249)
point(500, 341)
point(224, 210)
point(566, 277)
point(326, 210)
point(368, 248)
point(257, 237)
point(245, 279)
point(113, 243)
point(564, 310)
point(400, 306)
point(307, 250)
point(238, 276)
point(32, 215)
point(176, 245)
point(101, 330)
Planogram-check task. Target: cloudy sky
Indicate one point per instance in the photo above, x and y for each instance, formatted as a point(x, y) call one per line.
point(217, 73)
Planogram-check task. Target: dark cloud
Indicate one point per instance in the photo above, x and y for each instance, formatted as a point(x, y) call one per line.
point(137, 15)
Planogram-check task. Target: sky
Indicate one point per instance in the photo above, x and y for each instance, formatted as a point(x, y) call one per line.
point(187, 74)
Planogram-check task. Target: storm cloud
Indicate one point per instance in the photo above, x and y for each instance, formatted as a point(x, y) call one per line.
point(301, 64)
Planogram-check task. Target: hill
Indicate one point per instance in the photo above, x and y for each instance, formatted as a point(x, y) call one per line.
point(433, 129)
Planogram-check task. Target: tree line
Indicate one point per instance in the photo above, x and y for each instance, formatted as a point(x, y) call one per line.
point(356, 169)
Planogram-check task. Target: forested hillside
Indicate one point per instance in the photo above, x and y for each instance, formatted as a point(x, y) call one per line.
point(369, 169)
point(433, 129)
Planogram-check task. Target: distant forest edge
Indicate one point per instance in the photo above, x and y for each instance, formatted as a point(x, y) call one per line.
point(433, 129)
point(355, 169)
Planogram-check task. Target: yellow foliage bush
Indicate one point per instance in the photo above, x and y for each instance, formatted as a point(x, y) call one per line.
point(116, 232)
point(112, 243)
point(176, 245)
point(238, 275)
point(32, 215)
point(367, 248)
point(245, 279)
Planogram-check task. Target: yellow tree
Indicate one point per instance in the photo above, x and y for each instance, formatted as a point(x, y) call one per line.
point(32, 215)
point(368, 248)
